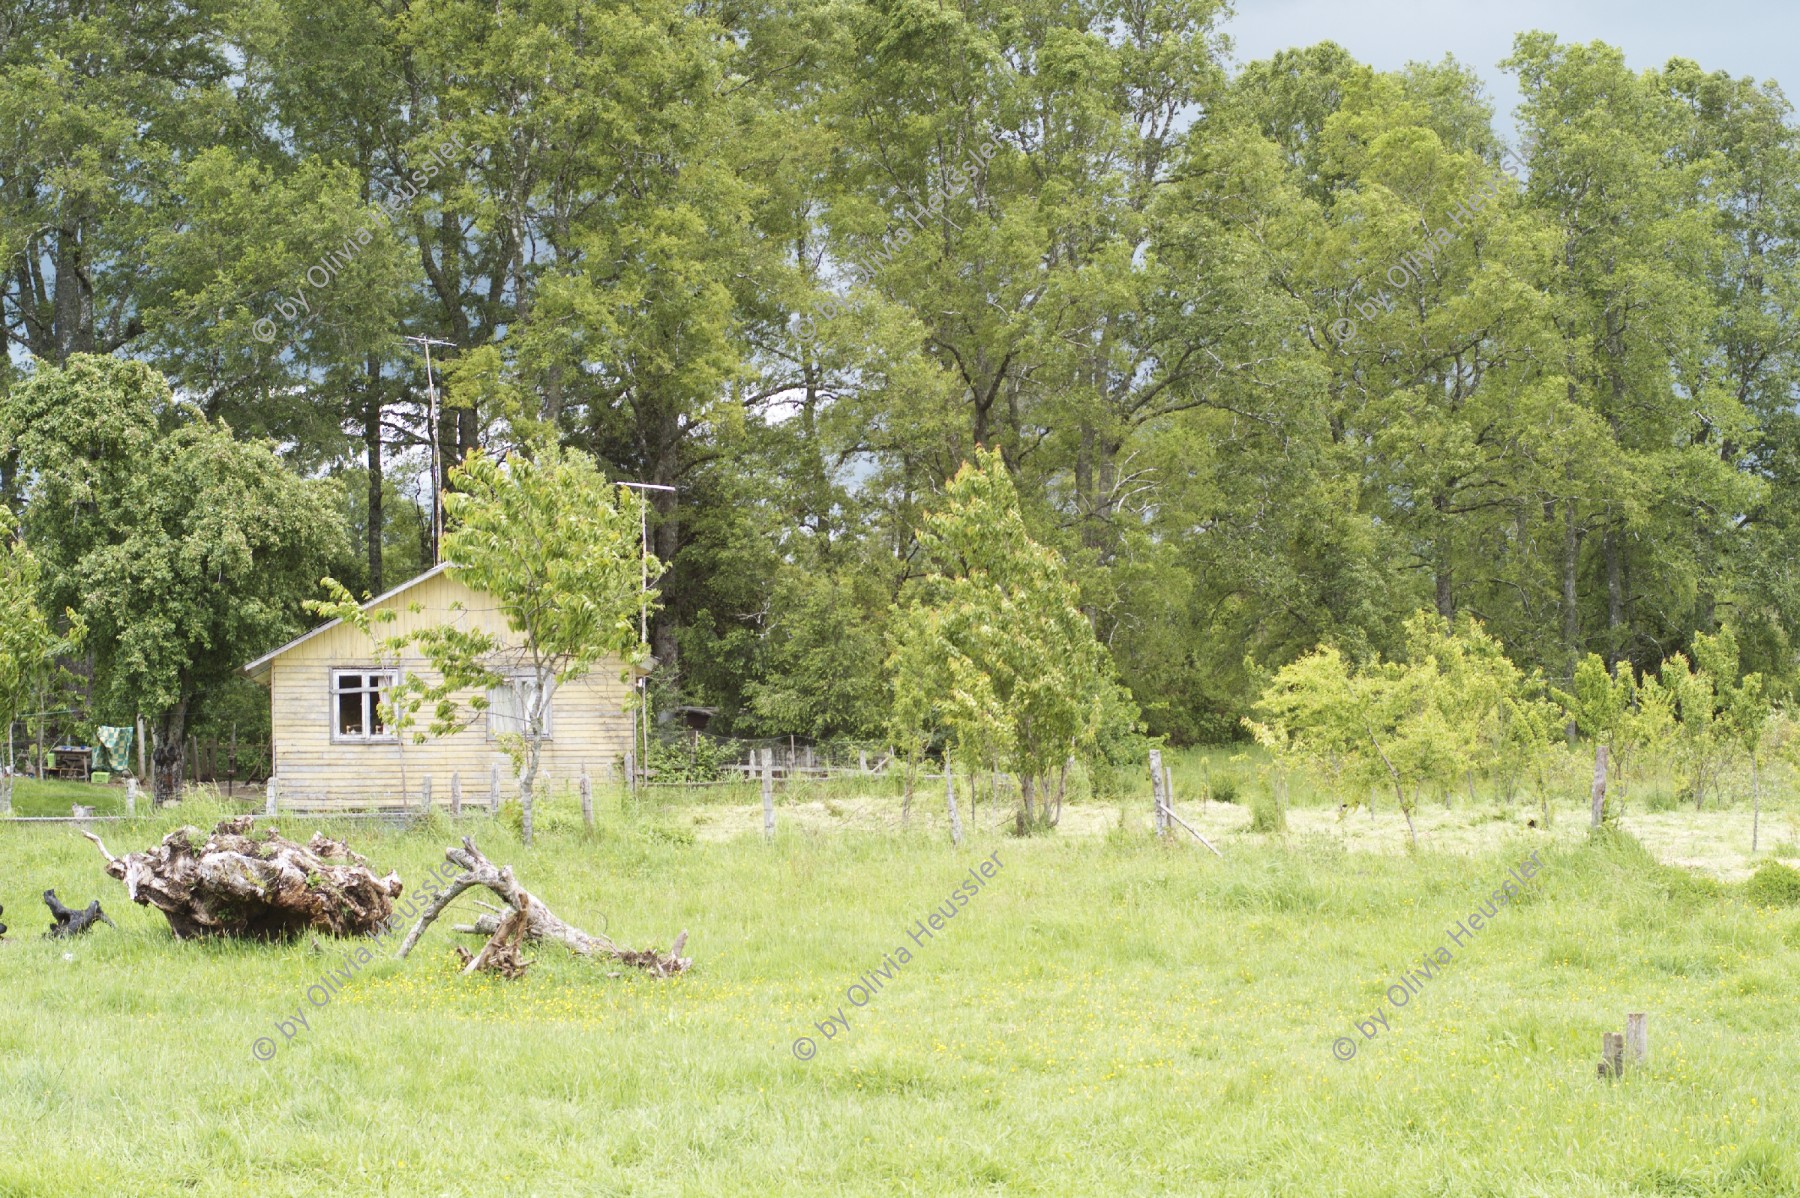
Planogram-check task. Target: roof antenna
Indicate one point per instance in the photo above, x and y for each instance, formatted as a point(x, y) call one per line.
point(437, 507)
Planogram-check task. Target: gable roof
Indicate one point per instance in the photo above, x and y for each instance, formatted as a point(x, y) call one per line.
point(260, 666)
point(259, 669)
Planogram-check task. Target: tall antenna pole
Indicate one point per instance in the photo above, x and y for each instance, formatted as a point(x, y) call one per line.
point(437, 507)
point(644, 602)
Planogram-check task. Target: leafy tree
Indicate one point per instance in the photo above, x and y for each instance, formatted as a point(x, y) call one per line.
point(183, 551)
point(1532, 743)
point(28, 645)
point(1700, 691)
point(1474, 680)
point(1310, 721)
point(991, 647)
point(1744, 709)
point(557, 550)
point(1600, 705)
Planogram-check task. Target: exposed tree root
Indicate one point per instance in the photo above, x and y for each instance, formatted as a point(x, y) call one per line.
point(525, 918)
point(71, 923)
point(258, 887)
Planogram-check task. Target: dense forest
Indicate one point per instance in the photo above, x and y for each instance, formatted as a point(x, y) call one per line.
point(1276, 354)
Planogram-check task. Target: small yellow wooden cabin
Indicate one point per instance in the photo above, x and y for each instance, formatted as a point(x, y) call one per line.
point(331, 749)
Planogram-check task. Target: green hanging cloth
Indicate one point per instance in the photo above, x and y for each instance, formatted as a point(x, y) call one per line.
point(115, 749)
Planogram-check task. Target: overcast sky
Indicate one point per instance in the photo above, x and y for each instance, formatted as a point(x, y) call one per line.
point(1743, 37)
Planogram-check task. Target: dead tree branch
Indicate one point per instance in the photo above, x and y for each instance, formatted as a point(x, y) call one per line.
point(525, 918)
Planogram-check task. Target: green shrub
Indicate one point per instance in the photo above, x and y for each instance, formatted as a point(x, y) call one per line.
point(1266, 812)
point(687, 760)
point(1225, 789)
point(1774, 885)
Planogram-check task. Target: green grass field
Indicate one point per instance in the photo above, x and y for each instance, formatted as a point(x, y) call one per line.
point(1110, 1015)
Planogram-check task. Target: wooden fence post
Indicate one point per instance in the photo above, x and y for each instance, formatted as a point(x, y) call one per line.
point(1637, 1038)
point(455, 793)
point(1612, 1055)
point(587, 798)
point(494, 788)
point(130, 795)
point(269, 794)
point(862, 761)
point(950, 799)
point(1156, 790)
point(768, 792)
point(631, 774)
point(425, 795)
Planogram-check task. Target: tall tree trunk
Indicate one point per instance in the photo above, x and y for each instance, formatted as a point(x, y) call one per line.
point(73, 299)
point(372, 445)
point(166, 757)
point(1441, 571)
point(665, 541)
point(1571, 613)
point(1615, 594)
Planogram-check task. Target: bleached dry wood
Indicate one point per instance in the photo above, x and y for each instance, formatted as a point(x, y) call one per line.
point(265, 887)
point(526, 918)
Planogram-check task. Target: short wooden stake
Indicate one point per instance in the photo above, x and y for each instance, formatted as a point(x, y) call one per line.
point(631, 774)
point(130, 795)
point(768, 792)
point(269, 793)
point(587, 799)
point(494, 789)
point(1637, 1038)
point(862, 761)
point(1612, 1055)
point(455, 793)
point(425, 794)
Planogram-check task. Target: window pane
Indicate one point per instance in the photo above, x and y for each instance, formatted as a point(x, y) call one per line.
point(376, 727)
point(350, 682)
point(350, 713)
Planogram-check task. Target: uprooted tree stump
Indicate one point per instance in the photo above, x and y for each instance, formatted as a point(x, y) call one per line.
point(255, 887)
point(525, 918)
point(68, 922)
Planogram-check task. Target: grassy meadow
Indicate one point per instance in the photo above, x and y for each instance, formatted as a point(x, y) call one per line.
point(1109, 1015)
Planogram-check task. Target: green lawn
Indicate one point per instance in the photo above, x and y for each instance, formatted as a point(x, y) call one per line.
point(1108, 1016)
point(53, 797)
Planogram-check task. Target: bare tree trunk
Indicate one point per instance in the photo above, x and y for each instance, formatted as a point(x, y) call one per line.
point(1399, 791)
point(950, 799)
point(1571, 613)
point(1755, 801)
point(1599, 800)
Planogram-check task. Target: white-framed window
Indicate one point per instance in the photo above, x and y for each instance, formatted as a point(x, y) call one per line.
point(356, 695)
point(507, 706)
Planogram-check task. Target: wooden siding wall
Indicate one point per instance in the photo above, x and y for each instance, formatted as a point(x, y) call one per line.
point(589, 726)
